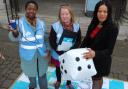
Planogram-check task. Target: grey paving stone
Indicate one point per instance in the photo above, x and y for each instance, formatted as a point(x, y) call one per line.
point(123, 77)
point(13, 76)
point(111, 75)
point(17, 70)
point(6, 84)
point(115, 75)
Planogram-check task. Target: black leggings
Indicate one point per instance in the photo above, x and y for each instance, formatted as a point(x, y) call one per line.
point(58, 75)
point(97, 83)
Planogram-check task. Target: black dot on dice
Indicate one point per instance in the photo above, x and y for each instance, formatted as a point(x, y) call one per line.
point(63, 61)
point(61, 67)
point(79, 68)
point(77, 59)
point(65, 71)
point(89, 66)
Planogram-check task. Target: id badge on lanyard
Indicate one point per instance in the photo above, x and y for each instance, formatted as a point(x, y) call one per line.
point(66, 40)
point(66, 44)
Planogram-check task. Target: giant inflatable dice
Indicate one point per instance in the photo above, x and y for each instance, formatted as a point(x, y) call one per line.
point(75, 67)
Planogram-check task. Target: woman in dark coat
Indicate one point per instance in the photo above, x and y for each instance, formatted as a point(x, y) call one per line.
point(100, 39)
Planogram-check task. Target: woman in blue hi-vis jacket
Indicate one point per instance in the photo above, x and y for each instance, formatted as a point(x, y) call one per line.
point(32, 49)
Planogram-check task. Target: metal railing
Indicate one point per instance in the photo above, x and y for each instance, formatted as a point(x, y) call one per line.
point(12, 9)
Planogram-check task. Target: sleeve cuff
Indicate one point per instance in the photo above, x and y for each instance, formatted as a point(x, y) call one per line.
point(12, 38)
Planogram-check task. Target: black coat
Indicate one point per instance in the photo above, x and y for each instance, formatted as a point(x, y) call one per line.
point(103, 45)
point(54, 45)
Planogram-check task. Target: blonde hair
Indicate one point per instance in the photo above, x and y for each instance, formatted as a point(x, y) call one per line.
point(68, 7)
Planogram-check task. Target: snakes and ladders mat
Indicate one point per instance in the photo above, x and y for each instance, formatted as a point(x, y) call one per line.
point(22, 82)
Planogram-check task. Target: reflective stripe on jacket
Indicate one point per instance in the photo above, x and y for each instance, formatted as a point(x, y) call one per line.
point(31, 39)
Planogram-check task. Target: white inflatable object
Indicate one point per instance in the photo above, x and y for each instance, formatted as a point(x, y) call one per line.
point(75, 67)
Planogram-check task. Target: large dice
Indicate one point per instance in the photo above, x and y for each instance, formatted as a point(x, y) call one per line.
point(75, 67)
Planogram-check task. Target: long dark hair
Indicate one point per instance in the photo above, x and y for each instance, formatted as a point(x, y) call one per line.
point(95, 20)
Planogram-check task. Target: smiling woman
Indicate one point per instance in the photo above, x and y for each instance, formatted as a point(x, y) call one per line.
point(65, 34)
point(33, 52)
point(100, 38)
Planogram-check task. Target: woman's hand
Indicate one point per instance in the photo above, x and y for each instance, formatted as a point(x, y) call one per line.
point(89, 54)
point(48, 56)
point(14, 31)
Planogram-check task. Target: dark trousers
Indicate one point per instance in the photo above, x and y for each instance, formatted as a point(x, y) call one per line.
point(58, 75)
point(97, 83)
point(42, 82)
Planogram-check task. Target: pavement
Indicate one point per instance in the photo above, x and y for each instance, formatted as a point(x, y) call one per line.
point(48, 10)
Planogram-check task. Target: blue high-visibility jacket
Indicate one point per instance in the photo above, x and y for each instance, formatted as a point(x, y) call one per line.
point(31, 39)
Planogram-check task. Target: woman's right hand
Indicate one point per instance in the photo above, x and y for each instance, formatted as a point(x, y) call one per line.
point(14, 31)
point(10, 28)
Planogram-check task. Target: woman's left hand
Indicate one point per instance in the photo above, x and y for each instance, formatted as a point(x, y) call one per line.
point(90, 54)
point(48, 56)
